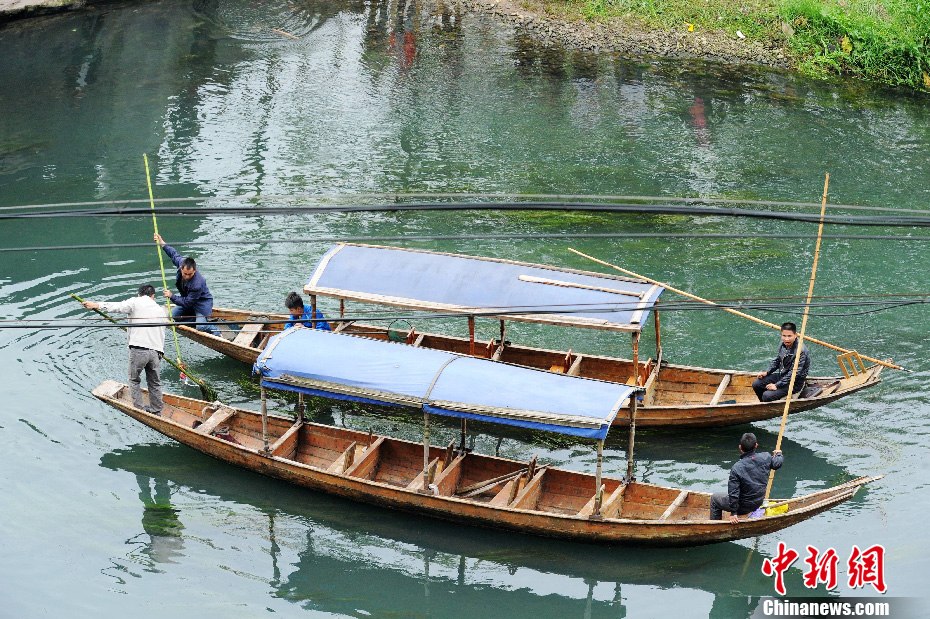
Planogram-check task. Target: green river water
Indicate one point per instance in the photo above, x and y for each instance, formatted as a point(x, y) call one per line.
point(101, 516)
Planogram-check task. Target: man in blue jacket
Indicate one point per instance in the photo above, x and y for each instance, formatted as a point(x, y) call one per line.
point(748, 479)
point(193, 301)
point(303, 314)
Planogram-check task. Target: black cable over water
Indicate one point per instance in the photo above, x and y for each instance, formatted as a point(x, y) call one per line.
point(395, 195)
point(503, 312)
point(479, 237)
point(637, 209)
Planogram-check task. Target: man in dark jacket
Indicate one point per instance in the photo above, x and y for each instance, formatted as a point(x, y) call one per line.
point(748, 479)
point(772, 384)
point(193, 301)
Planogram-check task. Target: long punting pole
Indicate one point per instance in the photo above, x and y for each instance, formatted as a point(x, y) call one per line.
point(800, 342)
point(205, 389)
point(730, 310)
point(471, 336)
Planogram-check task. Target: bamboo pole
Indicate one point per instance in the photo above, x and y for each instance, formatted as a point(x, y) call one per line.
point(730, 310)
point(161, 262)
point(800, 340)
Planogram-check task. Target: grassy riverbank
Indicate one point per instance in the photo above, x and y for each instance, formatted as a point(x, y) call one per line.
point(887, 41)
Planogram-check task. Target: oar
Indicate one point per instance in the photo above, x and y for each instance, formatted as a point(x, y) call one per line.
point(206, 390)
point(800, 342)
point(730, 310)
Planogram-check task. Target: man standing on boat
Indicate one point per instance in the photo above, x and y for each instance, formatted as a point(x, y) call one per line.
point(772, 384)
point(303, 314)
point(748, 478)
point(146, 344)
point(193, 301)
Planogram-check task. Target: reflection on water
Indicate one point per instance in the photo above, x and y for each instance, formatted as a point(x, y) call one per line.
point(160, 521)
point(440, 569)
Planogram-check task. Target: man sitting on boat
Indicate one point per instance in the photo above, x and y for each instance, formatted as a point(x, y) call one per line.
point(304, 315)
point(146, 344)
point(748, 479)
point(772, 384)
point(193, 301)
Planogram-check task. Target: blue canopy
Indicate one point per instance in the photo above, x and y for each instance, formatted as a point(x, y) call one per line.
point(354, 368)
point(425, 280)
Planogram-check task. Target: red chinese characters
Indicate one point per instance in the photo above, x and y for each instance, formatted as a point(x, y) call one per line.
point(821, 568)
point(867, 567)
point(777, 566)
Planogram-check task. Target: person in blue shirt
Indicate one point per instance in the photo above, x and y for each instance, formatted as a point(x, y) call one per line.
point(193, 301)
point(304, 315)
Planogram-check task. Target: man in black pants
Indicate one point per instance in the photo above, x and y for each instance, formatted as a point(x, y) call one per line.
point(748, 479)
point(772, 384)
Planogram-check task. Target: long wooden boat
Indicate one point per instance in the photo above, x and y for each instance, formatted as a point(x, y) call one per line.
point(466, 487)
point(676, 395)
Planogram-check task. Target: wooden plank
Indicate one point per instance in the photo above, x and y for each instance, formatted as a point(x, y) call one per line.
point(588, 508)
point(247, 335)
point(417, 481)
point(612, 506)
point(448, 480)
point(222, 415)
point(368, 460)
point(724, 383)
point(419, 341)
point(529, 496)
point(506, 494)
point(575, 368)
point(344, 461)
point(671, 508)
point(287, 442)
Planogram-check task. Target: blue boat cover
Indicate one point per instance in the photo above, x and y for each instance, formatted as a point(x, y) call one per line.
point(354, 368)
point(432, 281)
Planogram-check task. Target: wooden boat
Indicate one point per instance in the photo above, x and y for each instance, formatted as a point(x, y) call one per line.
point(675, 395)
point(452, 483)
point(384, 471)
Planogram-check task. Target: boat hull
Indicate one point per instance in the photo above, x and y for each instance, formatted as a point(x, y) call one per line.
point(638, 520)
point(676, 395)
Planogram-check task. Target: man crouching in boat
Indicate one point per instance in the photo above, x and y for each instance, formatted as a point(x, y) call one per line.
point(748, 478)
point(193, 301)
point(146, 344)
point(304, 315)
point(772, 384)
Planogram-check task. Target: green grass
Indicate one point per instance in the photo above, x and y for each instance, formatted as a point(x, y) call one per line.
point(886, 41)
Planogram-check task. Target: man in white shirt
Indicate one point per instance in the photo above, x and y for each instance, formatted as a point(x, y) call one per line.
point(146, 344)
